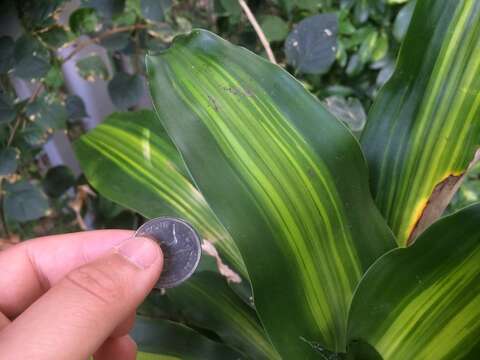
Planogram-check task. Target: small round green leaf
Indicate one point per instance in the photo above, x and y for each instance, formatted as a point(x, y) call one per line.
point(8, 161)
point(75, 108)
point(106, 8)
point(274, 27)
point(4, 134)
point(7, 109)
point(125, 90)
point(91, 68)
point(7, 46)
point(311, 46)
point(286, 5)
point(58, 180)
point(56, 36)
point(49, 114)
point(127, 18)
point(310, 5)
point(34, 135)
point(54, 77)
point(31, 58)
point(116, 41)
point(31, 68)
point(231, 7)
point(27, 45)
point(84, 21)
point(37, 14)
point(155, 10)
point(24, 201)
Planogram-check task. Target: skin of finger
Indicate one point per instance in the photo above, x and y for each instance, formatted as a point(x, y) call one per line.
point(75, 317)
point(119, 348)
point(4, 321)
point(29, 269)
point(125, 326)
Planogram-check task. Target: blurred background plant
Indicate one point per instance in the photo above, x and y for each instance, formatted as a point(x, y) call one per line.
point(66, 65)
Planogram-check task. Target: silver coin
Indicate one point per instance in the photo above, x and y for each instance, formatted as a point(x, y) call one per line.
point(181, 248)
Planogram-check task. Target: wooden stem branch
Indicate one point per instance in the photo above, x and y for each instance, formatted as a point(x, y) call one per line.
point(79, 46)
point(261, 35)
point(13, 132)
point(18, 121)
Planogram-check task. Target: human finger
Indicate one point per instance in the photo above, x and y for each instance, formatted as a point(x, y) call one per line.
point(4, 321)
point(30, 268)
point(117, 348)
point(77, 315)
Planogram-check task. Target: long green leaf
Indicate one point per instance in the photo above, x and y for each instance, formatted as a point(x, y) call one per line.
point(130, 160)
point(286, 179)
point(423, 302)
point(207, 302)
point(163, 339)
point(424, 127)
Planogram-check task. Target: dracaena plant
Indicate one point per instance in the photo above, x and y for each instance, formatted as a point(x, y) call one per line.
point(313, 255)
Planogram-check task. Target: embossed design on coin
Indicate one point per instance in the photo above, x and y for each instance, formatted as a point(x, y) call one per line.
point(181, 248)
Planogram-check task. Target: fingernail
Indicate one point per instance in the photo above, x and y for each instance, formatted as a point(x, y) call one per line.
point(140, 251)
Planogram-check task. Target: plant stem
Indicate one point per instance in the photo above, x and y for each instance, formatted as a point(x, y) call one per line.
point(95, 40)
point(261, 35)
point(14, 130)
point(35, 93)
point(18, 121)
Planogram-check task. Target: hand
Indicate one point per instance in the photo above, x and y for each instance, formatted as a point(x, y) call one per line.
point(71, 296)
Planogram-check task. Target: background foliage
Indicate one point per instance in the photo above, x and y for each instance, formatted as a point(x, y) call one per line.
point(342, 51)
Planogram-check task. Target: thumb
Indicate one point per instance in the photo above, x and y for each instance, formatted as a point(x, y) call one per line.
point(77, 315)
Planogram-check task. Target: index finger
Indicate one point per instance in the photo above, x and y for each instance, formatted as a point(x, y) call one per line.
point(29, 269)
